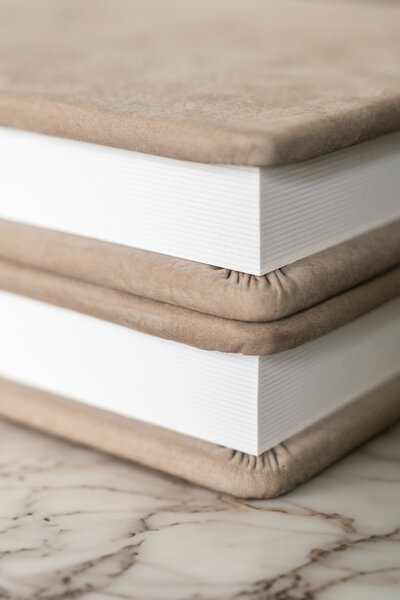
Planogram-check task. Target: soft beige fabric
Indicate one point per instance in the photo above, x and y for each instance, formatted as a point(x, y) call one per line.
point(255, 82)
point(195, 328)
point(203, 288)
point(270, 474)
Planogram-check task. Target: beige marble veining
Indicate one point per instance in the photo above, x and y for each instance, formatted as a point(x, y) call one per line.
point(75, 523)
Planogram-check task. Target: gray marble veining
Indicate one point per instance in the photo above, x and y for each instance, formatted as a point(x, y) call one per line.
point(75, 523)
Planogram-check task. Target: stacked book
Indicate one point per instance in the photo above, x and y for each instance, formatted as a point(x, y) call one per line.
point(200, 231)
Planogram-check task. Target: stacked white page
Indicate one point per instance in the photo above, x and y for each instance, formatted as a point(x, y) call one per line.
point(248, 403)
point(249, 219)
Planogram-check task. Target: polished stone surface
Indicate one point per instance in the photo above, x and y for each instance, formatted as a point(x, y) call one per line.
point(75, 523)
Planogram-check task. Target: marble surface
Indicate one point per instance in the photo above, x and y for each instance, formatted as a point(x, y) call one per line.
point(75, 523)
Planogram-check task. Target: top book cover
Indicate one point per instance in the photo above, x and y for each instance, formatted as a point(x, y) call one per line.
point(244, 82)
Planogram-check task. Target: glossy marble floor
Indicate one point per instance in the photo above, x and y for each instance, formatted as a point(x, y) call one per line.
point(79, 524)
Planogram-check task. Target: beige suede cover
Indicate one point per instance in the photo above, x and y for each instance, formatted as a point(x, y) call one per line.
point(252, 82)
point(203, 288)
point(195, 328)
point(272, 473)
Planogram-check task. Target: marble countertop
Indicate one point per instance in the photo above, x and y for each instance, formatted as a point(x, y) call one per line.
point(75, 523)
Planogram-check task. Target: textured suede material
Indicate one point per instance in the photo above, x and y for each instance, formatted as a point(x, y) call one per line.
point(195, 328)
point(255, 82)
point(272, 473)
point(203, 288)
